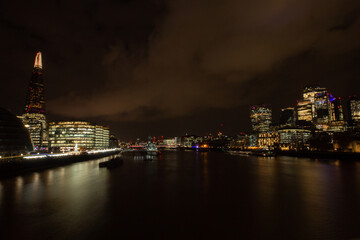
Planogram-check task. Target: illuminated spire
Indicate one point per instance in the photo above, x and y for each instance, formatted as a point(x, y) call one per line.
point(35, 102)
point(38, 61)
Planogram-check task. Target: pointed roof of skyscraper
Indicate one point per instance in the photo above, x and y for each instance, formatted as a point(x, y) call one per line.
point(38, 60)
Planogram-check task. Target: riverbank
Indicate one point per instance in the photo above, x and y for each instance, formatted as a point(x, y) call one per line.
point(321, 155)
point(24, 165)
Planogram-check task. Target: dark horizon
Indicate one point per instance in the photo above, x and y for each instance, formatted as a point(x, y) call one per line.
point(161, 68)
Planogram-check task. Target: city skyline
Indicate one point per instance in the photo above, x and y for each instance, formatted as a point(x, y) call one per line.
point(180, 119)
point(35, 104)
point(163, 79)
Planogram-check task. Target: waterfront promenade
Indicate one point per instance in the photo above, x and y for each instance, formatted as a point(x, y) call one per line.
point(16, 165)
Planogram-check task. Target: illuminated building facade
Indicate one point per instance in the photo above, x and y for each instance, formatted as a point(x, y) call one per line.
point(336, 110)
point(322, 107)
point(169, 143)
point(304, 110)
point(241, 141)
point(310, 93)
point(253, 140)
point(261, 118)
point(294, 139)
point(268, 140)
point(35, 100)
point(34, 112)
point(191, 140)
point(354, 109)
point(337, 123)
point(69, 135)
point(102, 137)
point(37, 126)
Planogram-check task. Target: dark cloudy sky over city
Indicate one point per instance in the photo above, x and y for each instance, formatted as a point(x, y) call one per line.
point(162, 67)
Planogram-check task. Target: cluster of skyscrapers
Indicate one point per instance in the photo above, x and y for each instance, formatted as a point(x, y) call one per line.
point(59, 135)
point(318, 122)
point(317, 115)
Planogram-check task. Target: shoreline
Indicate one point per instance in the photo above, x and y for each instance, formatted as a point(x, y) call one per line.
point(302, 154)
point(18, 167)
point(322, 155)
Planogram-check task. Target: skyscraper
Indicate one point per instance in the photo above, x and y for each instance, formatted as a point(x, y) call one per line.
point(310, 93)
point(287, 116)
point(336, 110)
point(35, 102)
point(261, 118)
point(305, 110)
point(34, 118)
point(322, 107)
point(354, 109)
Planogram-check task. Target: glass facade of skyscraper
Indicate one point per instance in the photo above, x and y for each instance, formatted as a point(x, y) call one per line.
point(322, 107)
point(37, 127)
point(34, 118)
point(287, 117)
point(354, 109)
point(304, 110)
point(261, 118)
point(309, 94)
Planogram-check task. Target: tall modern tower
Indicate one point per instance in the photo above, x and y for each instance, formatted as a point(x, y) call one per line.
point(35, 102)
point(287, 117)
point(353, 105)
point(261, 118)
point(34, 117)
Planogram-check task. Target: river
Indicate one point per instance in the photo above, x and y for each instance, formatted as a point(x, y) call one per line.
point(186, 195)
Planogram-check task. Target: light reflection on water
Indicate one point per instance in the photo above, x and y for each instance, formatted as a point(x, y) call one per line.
point(194, 194)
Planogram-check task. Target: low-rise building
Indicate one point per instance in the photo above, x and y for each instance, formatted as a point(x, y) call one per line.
point(268, 140)
point(294, 139)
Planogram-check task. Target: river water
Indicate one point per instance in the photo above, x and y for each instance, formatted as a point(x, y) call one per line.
point(186, 195)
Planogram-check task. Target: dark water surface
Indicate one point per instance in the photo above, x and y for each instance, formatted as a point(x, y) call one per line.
point(186, 195)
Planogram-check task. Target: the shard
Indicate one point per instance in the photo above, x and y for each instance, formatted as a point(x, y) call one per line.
point(35, 102)
point(34, 117)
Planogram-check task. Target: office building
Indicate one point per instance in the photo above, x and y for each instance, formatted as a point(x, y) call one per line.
point(294, 139)
point(268, 140)
point(287, 117)
point(304, 110)
point(322, 107)
point(77, 135)
point(309, 94)
point(261, 118)
point(353, 105)
point(336, 110)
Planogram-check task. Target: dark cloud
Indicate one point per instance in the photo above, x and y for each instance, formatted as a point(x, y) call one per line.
point(131, 62)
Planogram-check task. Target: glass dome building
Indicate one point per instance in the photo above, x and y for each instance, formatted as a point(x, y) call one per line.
point(14, 137)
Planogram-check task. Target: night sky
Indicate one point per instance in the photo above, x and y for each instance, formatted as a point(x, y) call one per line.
point(168, 68)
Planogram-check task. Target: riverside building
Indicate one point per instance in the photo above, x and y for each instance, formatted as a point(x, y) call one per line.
point(294, 139)
point(77, 136)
